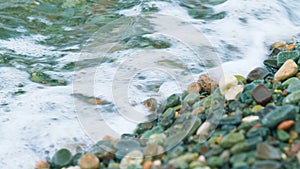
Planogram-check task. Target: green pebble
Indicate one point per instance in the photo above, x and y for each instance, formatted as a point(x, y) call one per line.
point(292, 98)
point(282, 135)
point(285, 112)
point(286, 55)
point(231, 139)
point(215, 162)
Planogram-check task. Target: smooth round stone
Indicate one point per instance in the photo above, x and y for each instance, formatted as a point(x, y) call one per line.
point(293, 86)
point(215, 162)
point(261, 131)
point(233, 92)
point(132, 158)
point(192, 98)
point(42, 165)
point(258, 73)
point(250, 119)
point(227, 82)
point(278, 45)
point(157, 139)
point(173, 100)
point(287, 70)
point(279, 114)
point(286, 55)
point(241, 79)
point(265, 151)
point(194, 87)
point(204, 129)
point(266, 164)
point(62, 158)
point(151, 104)
point(238, 157)
point(89, 161)
point(292, 98)
point(286, 83)
point(231, 139)
point(271, 63)
point(282, 135)
point(261, 94)
point(208, 84)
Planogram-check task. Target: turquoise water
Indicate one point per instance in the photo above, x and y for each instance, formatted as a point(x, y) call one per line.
point(45, 69)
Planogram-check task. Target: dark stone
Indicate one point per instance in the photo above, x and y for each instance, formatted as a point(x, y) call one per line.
point(271, 63)
point(261, 94)
point(258, 73)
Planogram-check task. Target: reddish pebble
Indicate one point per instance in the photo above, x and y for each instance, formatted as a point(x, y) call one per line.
point(147, 165)
point(42, 165)
point(207, 83)
point(258, 125)
point(194, 88)
point(285, 125)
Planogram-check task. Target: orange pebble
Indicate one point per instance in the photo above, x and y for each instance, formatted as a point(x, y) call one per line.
point(290, 47)
point(107, 137)
point(147, 165)
point(256, 126)
point(42, 165)
point(285, 125)
point(219, 139)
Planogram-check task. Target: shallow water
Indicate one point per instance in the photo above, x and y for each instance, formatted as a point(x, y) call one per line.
point(52, 70)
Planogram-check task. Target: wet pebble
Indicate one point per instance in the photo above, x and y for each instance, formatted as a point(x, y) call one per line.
point(231, 139)
point(258, 73)
point(265, 151)
point(194, 87)
point(261, 94)
point(287, 70)
point(132, 158)
point(208, 84)
point(89, 161)
point(267, 164)
point(285, 125)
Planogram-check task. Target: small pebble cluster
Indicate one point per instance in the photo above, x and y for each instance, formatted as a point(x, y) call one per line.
point(237, 122)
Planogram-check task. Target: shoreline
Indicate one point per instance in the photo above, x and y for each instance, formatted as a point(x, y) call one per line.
point(256, 127)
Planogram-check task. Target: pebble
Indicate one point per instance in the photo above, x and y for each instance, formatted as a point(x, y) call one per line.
point(233, 92)
point(42, 165)
point(207, 84)
point(249, 119)
point(261, 94)
point(265, 151)
point(204, 129)
point(282, 113)
point(147, 165)
point(231, 139)
point(282, 135)
point(287, 70)
point(62, 158)
point(267, 164)
point(258, 73)
point(292, 98)
point(286, 55)
point(227, 82)
point(215, 162)
point(89, 161)
point(132, 158)
point(151, 104)
point(278, 45)
point(194, 87)
point(285, 125)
